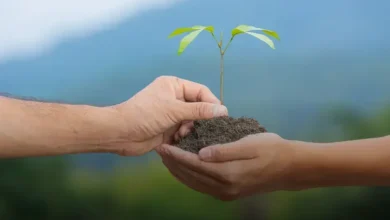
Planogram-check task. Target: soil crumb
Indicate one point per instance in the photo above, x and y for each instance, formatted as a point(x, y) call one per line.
point(219, 130)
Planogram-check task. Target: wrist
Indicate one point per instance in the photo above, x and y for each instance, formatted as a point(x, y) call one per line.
point(94, 130)
point(305, 168)
point(111, 129)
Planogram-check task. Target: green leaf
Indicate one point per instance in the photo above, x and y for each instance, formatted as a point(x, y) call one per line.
point(246, 28)
point(271, 33)
point(195, 31)
point(182, 30)
point(187, 40)
point(207, 28)
point(263, 38)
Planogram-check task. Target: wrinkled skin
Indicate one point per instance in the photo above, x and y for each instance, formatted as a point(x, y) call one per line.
point(162, 111)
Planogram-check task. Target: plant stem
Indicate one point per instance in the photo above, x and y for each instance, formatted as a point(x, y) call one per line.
point(221, 80)
point(215, 39)
point(227, 46)
point(222, 53)
point(222, 70)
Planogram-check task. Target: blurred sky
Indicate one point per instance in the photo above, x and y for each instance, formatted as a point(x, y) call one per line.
point(82, 42)
point(30, 28)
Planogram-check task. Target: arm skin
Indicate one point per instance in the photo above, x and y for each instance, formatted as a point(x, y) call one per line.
point(350, 163)
point(29, 128)
point(153, 116)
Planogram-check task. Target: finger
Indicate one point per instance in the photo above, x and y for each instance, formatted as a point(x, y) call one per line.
point(192, 183)
point(176, 137)
point(192, 175)
point(243, 149)
point(200, 110)
point(185, 129)
point(183, 132)
point(169, 134)
point(190, 160)
point(195, 92)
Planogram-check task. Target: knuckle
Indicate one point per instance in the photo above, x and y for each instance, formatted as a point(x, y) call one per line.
point(161, 79)
point(200, 110)
point(163, 151)
point(250, 138)
point(217, 153)
point(165, 78)
point(273, 135)
point(166, 152)
point(204, 88)
point(196, 110)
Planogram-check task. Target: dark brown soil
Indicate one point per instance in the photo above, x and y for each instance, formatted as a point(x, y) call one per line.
point(219, 130)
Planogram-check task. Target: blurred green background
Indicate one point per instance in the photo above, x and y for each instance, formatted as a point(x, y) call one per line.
point(327, 80)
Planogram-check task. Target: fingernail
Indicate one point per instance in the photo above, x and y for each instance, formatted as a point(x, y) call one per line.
point(220, 110)
point(205, 154)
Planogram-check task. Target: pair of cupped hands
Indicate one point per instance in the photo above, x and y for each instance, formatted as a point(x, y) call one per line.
point(165, 110)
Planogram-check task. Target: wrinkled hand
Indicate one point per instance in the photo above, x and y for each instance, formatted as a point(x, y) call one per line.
point(255, 164)
point(164, 110)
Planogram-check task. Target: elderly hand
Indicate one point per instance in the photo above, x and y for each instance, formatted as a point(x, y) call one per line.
point(254, 164)
point(163, 110)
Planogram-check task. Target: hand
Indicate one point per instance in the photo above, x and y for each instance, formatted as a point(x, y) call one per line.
point(164, 110)
point(255, 164)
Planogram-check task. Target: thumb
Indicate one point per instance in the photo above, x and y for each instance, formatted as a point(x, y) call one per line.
point(228, 152)
point(202, 110)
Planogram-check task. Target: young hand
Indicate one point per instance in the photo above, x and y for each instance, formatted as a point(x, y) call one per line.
point(254, 164)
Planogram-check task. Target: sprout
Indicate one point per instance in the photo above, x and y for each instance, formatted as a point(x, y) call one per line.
point(194, 31)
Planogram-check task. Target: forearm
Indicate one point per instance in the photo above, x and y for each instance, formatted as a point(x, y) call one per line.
point(350, 163)
point(41, 129)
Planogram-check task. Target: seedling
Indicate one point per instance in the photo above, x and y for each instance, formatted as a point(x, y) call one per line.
point(222, 129)
point(196, 30)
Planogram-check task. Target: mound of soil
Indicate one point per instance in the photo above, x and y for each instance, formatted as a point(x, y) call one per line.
point(219, 130)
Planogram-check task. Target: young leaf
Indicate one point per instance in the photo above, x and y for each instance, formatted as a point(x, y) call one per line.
point(187, 40)
point(195, 31)
point(183, 30)
point(263, 38)
point(246, 28)
point(179, 31)
point(271, 33)
point(207, 28)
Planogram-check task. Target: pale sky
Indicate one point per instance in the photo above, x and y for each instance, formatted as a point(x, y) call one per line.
point(29, 28)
